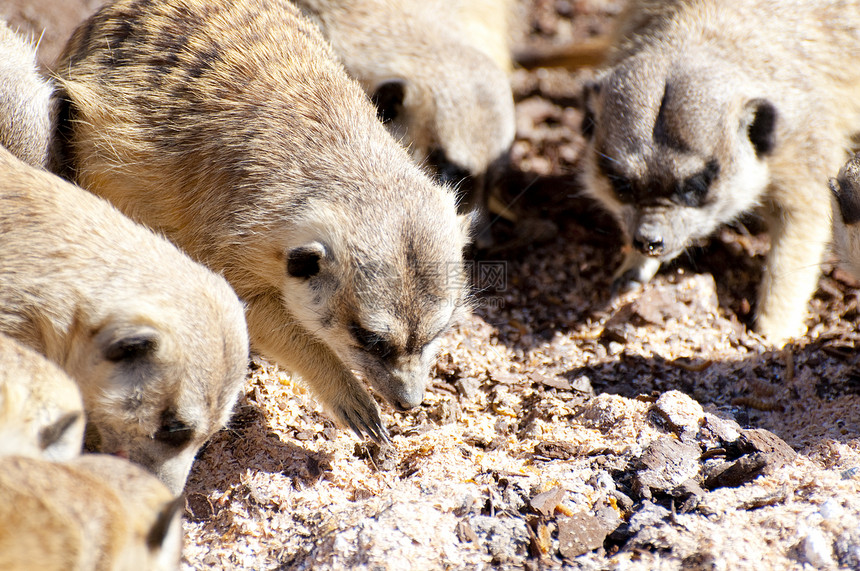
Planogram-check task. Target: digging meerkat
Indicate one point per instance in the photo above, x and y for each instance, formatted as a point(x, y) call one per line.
point(25, 100)
point(41, 413)
point(707, 110)
point(95, 512)
point(437, 72)
point(231, 128)
point(156, 343)
point(846, 217)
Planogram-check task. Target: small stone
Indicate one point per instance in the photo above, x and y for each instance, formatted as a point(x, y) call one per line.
point(465, 533)
point(716, 431)
point(198, 507)
point(556, 450)
point(847, 548)
point(649, 515)
point(552, 381)
point(467, 387)
point(761, 440)
point(743, 470)
point(666, 464)
point(580, 534)
point(830, 510)
point(817, 549)
point(582, 384)
point(681, 412)
point(546, 502)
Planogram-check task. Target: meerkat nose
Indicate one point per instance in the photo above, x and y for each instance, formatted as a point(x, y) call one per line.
point(650, 246)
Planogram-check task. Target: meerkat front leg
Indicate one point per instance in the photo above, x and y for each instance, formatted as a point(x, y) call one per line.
point(278, 334)
point(799, 234)
point(636, 270)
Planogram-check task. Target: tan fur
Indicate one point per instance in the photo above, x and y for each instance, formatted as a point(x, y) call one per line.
point(41, 413)
point(156, 342)
point(846, 215)
point(25, 100)
point(230, 127)
point(94, 513)
point(760, 90)
point(456, 114)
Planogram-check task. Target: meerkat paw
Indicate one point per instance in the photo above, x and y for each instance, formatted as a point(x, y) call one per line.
point(636, 271)
point(779, 331)
point(360, 413)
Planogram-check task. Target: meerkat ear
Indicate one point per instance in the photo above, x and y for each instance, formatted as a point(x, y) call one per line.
point(167, 520)
point(59, 430)
point(761, 120)
point(388, 98)
point(127, 342)
point(589, 91)
point(304, 261)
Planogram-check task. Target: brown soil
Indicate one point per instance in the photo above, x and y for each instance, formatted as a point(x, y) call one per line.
point(548, 436)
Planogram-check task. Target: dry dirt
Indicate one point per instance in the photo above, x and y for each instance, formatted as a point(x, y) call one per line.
point(562, 428)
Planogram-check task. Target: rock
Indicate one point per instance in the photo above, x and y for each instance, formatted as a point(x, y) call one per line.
point(552, 381)
point(847, 548)
point(817, 550)
point(682, 413)
point(465, 532)
point(502, 537)
point(546, 502)
point(580, 534)
point(650, 515)
point(198, 507)
point(766, 442)
point(718, 432)
point(556, 450)
point(666, 464)
point(582, 384)
point(734, 474)
point(604, 411)
point(609, 518)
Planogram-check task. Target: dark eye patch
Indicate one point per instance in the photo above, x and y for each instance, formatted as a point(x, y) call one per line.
point(173, 431)
point(694, 189)
point(621, 184)
point(372, 342)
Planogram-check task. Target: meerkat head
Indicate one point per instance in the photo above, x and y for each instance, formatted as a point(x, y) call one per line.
point(382, 292)
point(152, 514)
point(846, 217)
point(453, 111)
point(41, 413)
point(155, 388)
point(676, 149)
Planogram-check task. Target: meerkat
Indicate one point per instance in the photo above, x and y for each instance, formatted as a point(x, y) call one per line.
point(25, 100)
point(846, 217)
point(706, 110)
point(231, 128)
point(156, 343)
point(41, 413)
point(95, 512)
point(437, 72)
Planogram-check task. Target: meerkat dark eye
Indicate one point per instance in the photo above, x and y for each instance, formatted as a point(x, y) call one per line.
point(173, 431)
point(621, 185)
point(388, 100)
point(371, 342)
point(132, 346)
point(694, 189)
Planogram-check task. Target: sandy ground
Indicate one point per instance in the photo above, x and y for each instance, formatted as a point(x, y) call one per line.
point(562, 428)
